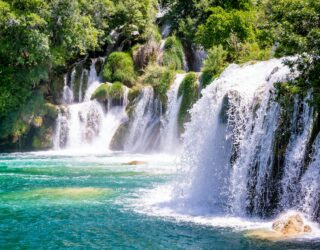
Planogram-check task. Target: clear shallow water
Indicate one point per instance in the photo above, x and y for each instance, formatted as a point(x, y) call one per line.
point(55, 200)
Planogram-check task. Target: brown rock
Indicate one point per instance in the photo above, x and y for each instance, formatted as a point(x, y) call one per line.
point(136, 163)
point(291, 225)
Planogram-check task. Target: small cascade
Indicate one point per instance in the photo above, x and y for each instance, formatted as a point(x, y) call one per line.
point(309, 198)
point(83, 74)
point(67, 95)
point(88, 124)
point(143, 132)
point(169, 133)
point(61, 132)
point(199, 56)
point(93, 81)
point(296, 152)
point(85, 122)
point(228, 145)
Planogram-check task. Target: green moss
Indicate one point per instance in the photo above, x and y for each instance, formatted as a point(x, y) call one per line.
point(119, 67)
point(160, 78)
point(106, 90)
point(189, 92)
point(134, 93)
point(116, 90)
point(101, 93)
point(173, 56)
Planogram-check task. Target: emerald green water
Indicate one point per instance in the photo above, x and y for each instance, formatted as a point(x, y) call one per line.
point(51, 201)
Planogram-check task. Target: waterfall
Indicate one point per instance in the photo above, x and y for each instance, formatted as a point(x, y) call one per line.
point(143, 132)
point(310, 185)
point(296, 151)
point(93, 81)
point(67, 95)
point(169, 133)
point(199, 56)
point(83, 73)
point(228, 145)
point(88, 125)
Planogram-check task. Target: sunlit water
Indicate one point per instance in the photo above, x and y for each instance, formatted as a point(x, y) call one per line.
point(55, 200)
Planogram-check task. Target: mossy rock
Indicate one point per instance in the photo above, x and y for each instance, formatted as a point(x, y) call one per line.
point(116, 90)
point(134, 93)
point(173, 56)
point(118, 140)
point(160, 78)
point(109, 91)
point(189, 92)
point(102, 92)
point(119, 66)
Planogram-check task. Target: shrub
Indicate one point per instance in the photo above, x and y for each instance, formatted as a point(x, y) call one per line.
point(173, 56)
point(189, 92)
point(119, 67)
point(213, 65)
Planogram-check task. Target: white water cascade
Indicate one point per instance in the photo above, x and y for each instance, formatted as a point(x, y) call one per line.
point(296, 151)
point(93, 81)
point(227, 150)
point(143, 133)
point(88, 125)
point(310, 185)
point(170, 134)
point(67, 95)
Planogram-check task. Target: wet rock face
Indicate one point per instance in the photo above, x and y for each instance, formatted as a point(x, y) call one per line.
point(291, 225)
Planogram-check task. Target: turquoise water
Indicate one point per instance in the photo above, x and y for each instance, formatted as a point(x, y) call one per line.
point(54, 201)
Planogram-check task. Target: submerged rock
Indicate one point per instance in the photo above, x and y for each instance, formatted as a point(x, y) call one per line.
point(136, 163)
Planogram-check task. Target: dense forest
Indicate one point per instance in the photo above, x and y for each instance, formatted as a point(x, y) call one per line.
point(40, 41)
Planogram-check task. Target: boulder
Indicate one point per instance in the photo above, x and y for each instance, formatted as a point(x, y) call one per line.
point(291, 225)
point(286, 227)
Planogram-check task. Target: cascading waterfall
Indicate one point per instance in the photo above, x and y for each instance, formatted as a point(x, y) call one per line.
point(87, 124)
point(169, 133)
point(67, 95)
point(143, 133)
point(93, 81)
point(228, 145)
point(309, 201)
point(296, 151)
point(199, 56)
point(83, 74)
